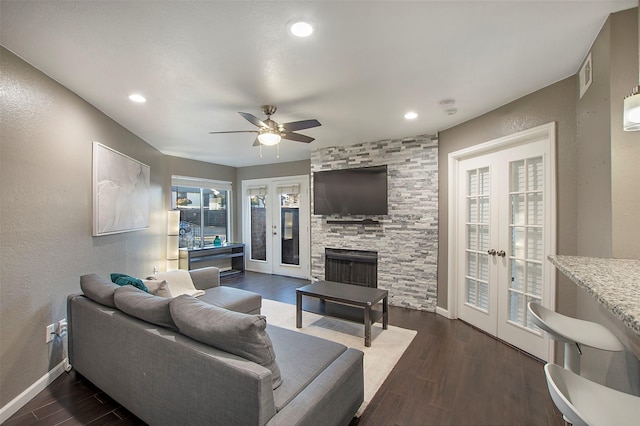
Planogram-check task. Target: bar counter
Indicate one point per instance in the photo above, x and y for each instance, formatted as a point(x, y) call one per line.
point(614, 283)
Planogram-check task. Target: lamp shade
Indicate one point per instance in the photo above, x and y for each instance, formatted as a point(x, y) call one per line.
point(172, 247)
point(631, 117)
point(173, 222)
point(268, 138)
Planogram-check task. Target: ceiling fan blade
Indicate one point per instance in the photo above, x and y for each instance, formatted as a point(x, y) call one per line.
point(297, 137)
point(252, 119)
point(235, 131)
point(300, 125)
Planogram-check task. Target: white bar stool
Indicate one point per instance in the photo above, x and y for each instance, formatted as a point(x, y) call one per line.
point(573, 332)
point(586, 403)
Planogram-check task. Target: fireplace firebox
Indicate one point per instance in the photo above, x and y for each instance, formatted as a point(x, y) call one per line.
point(359, 267)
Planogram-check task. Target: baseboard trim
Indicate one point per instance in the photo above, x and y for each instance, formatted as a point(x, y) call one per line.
point(444, 312)
point(21, 400)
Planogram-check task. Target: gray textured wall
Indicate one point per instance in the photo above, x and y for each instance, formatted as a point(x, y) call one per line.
point(593, 130)
point(407, 238)
point(625, 146)
point(46, 161)
point(609, 186)
point(46, 136)
point(553, 103)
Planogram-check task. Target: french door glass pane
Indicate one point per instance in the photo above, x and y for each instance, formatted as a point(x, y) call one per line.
point(535, 212)
point(485, 181)
point(484, 238)
point(534, 279)
point(472, 237)
point(516, 307)
point(472, 210)
point(472, 178)
point(535, 174)
point(535, 249)
point(517, 241)
point(471, 292)
point(517, 275)
point(483, 210)
point(517, 209)
point(483, 266)
point(472, 270)
point(527, 243)
point(290, 229)
point(477, 261)
point(517, 176)
point(258, 228)
point(483, 295)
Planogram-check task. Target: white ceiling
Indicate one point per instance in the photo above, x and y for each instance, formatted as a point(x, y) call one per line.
point(367, 63)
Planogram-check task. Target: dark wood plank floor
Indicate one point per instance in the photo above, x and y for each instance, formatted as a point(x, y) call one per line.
point(451, 374)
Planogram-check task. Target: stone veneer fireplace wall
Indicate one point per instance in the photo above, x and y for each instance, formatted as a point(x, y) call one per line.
point(407, 238)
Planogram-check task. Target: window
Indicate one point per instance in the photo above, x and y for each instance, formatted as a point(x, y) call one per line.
point(204, 210)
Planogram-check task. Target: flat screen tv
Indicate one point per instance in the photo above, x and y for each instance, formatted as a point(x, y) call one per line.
point(348, 192)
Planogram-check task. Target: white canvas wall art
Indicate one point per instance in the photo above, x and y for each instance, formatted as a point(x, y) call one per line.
point(120, 192)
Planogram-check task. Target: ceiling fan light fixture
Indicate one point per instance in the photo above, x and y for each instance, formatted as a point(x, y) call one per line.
point(301, 29)
point(269, 138)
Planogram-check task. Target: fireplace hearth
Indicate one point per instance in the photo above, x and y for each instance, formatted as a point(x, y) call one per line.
point(359, 267)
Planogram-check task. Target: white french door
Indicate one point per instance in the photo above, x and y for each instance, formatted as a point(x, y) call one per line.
point(505, 230)
point(276, 225)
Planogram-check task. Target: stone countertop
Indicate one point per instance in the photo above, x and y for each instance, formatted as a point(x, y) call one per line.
point(614, 283)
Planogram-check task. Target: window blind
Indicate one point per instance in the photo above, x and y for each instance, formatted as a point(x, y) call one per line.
point(192, 182)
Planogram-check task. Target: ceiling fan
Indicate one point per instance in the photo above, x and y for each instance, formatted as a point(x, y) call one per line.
point(270, 133)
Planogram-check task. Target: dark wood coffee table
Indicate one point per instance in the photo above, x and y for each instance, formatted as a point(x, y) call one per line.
point(348, 294)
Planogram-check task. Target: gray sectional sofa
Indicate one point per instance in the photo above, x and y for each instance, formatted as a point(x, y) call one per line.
point(224, 374)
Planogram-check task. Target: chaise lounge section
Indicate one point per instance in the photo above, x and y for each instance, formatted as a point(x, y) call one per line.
point(146, 363)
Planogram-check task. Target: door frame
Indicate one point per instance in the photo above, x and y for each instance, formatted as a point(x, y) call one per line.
point(270, 267)
point(543, 132)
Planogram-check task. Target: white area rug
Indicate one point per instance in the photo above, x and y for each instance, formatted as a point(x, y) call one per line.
point(387, 346)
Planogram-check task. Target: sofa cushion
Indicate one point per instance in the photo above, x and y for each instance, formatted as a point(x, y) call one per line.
point(98, 289)
point(303, 358)
point(158, 288)
point(234, 299)
point(240, 334)
point(144, 306)
point(124, 279)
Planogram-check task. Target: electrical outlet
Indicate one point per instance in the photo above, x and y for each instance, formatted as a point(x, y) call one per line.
point(51, 331)
point(62, 327)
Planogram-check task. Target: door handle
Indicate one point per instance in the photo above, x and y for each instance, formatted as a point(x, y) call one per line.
point(501, 253)
point(492, 252)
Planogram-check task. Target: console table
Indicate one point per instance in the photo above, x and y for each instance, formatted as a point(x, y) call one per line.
point(193, 258)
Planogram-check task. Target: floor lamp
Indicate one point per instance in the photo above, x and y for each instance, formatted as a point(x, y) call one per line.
point(173, 239)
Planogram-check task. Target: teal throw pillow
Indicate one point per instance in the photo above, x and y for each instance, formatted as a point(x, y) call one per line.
point(123, 279)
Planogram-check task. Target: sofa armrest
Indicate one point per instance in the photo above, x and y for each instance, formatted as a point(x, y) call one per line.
point(205, 278)
point(332, 398)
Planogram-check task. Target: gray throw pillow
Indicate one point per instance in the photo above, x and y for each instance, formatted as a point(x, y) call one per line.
point(98, 289)
point(144, 306)
point(234, 332)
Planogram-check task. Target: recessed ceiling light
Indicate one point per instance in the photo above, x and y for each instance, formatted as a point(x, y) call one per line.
point(411, 115)
point(138, 98)
point(301, 29)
